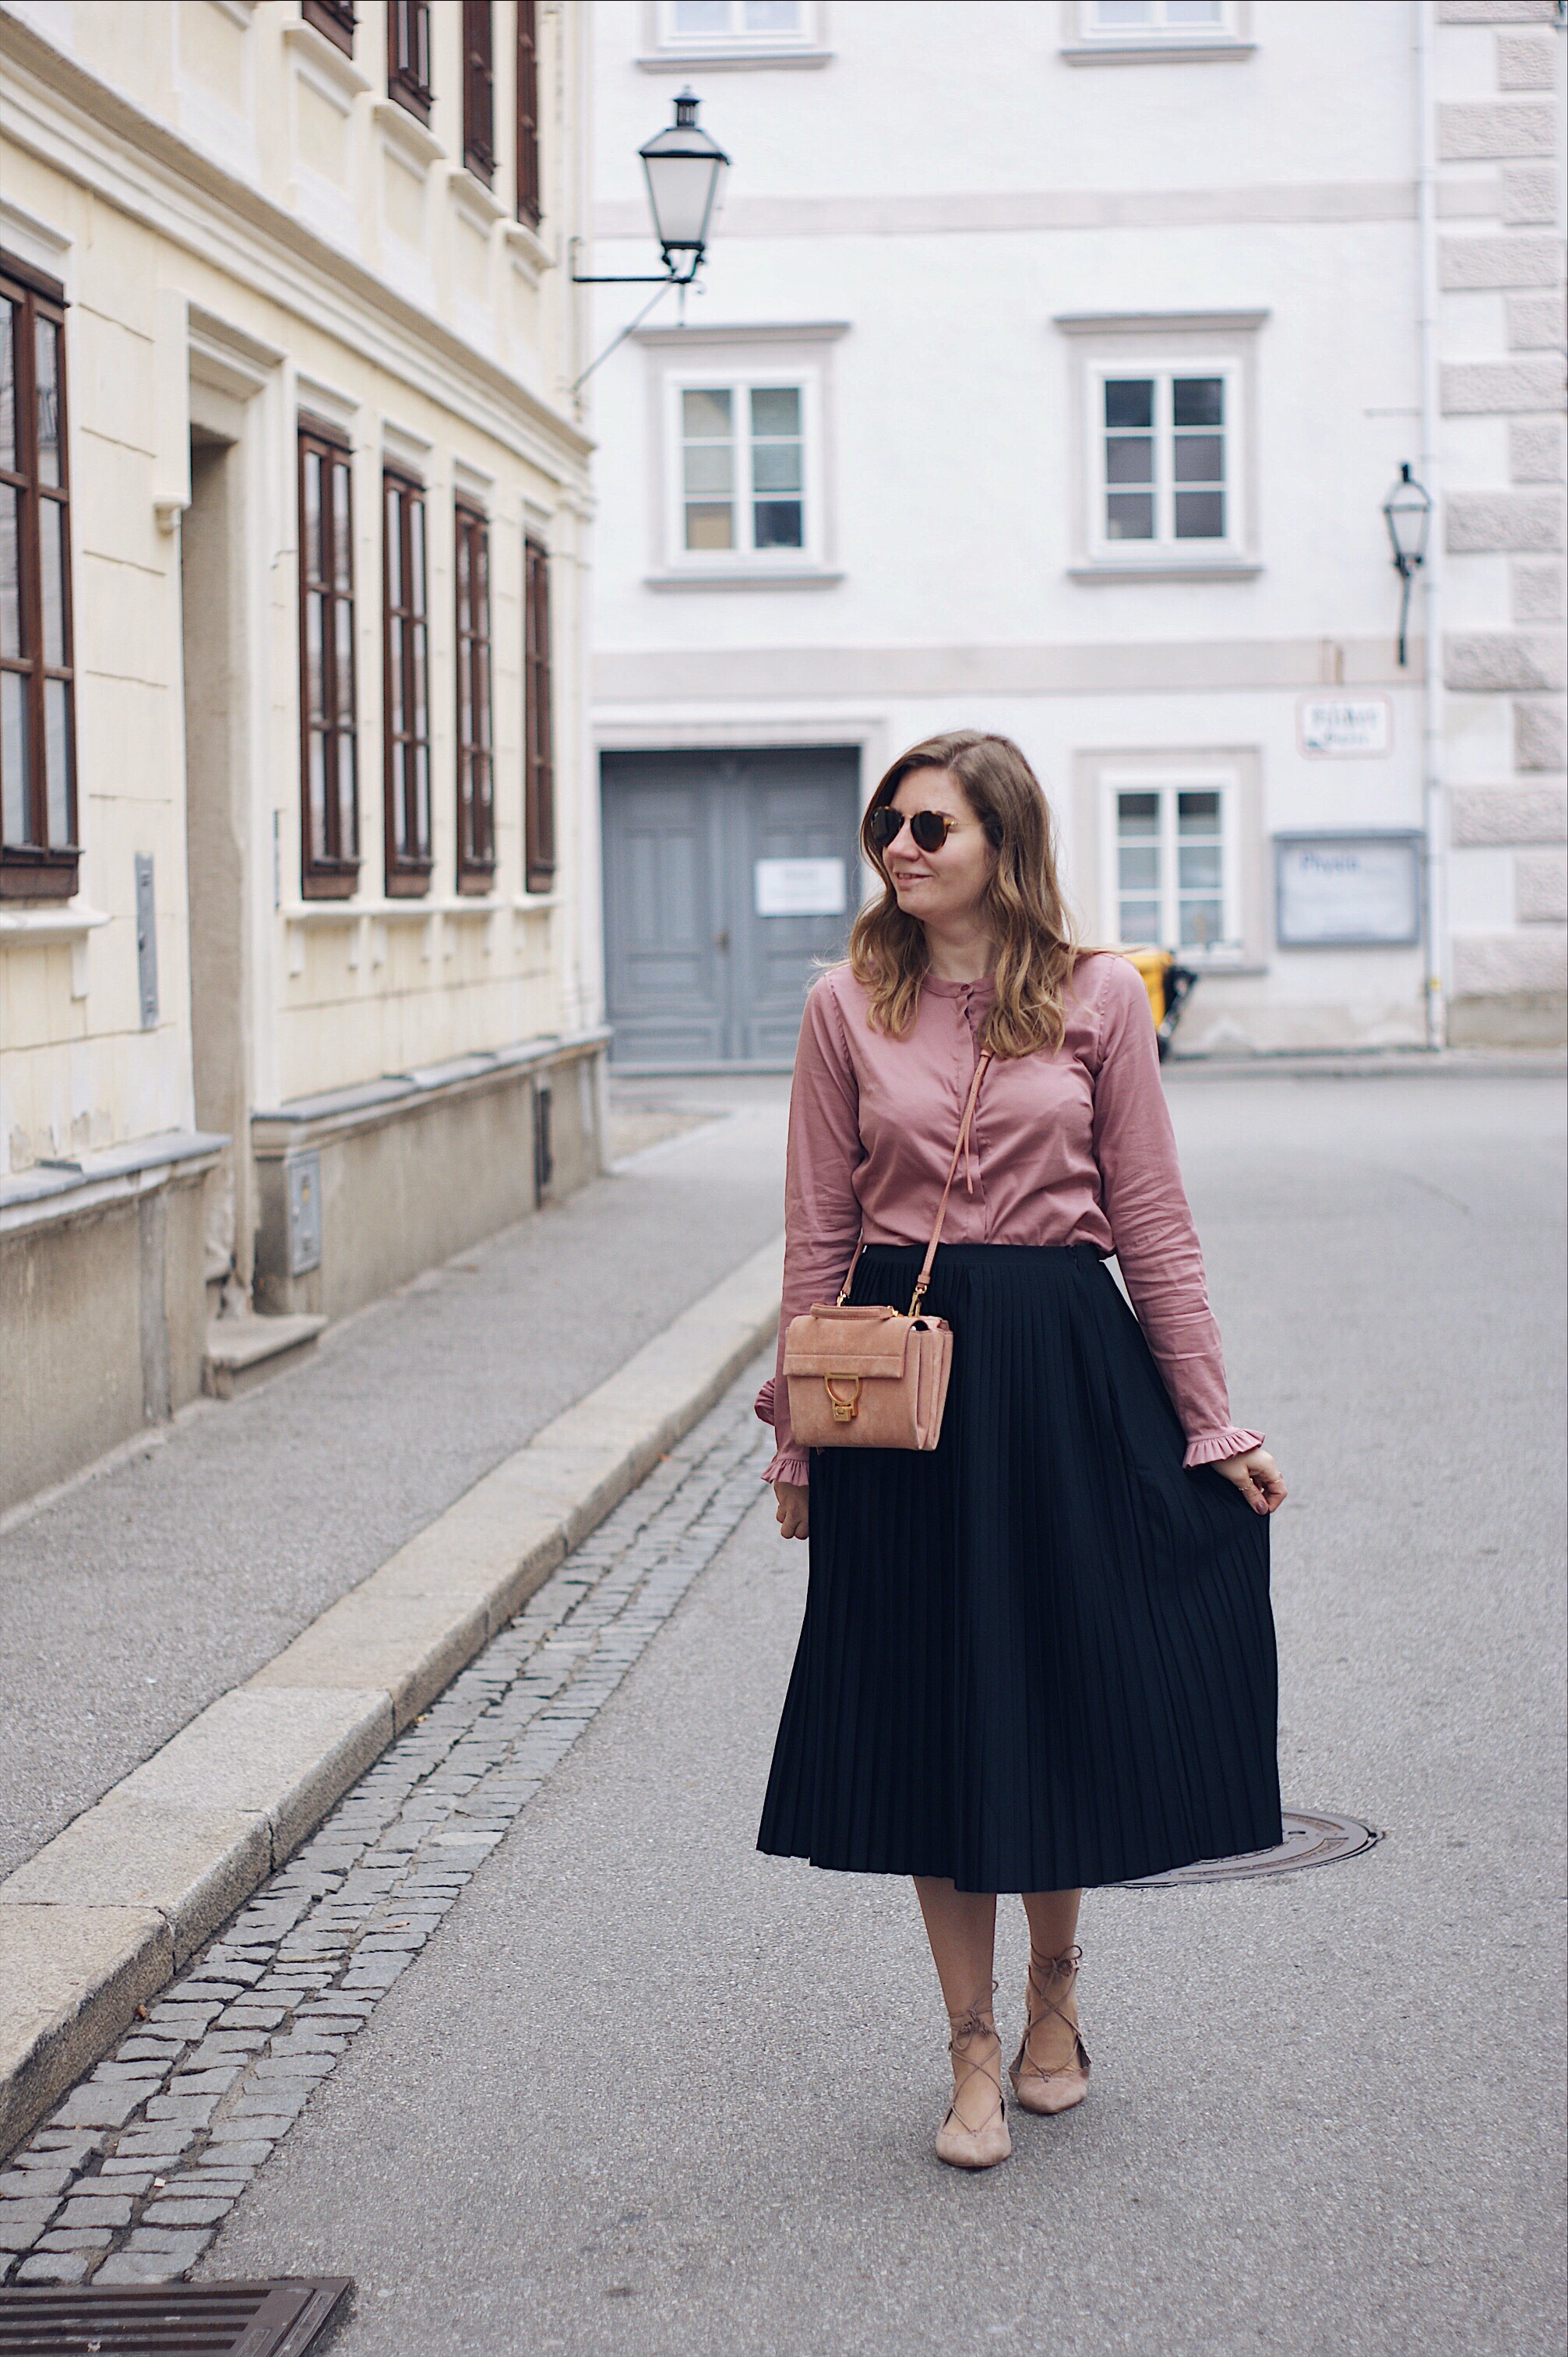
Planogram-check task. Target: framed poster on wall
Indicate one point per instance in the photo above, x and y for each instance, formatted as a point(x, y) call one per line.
point(1351, 890)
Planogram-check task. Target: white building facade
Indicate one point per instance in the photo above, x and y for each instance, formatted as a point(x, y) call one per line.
point(1054, 361)
point(299, 878)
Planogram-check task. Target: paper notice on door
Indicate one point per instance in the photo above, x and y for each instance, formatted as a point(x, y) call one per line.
point(799, 888)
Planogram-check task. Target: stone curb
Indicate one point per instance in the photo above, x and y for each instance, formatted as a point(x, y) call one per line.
point(100, 1918)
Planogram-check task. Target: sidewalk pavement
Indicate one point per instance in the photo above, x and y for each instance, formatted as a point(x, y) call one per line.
point(94, 1922)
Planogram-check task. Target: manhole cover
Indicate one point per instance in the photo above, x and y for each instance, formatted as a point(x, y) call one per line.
point(281, 2319)
point(1313, 1837)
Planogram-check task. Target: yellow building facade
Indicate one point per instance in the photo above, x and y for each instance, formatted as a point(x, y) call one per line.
point(298, 949)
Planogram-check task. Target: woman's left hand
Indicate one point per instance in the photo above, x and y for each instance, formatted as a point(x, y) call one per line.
point(1257, 1477)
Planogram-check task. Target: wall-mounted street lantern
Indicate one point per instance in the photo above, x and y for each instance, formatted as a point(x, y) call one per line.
point(682, 166)
point(1407, 511)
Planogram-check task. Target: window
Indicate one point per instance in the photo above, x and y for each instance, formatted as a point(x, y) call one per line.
point(335, 18)
point(406, 658)
point(1179, 19)
point(38, 852)
point(1174, 886)
point(408, 55)
point(329, 789)
point(529, 207)
point(739, 23)
point(741, 471)
point(1163, 458)
point(479, 90)
point(476, 778)
point(538, 751)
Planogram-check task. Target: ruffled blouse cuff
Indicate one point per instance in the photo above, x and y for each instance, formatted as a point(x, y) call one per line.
point(790, 1465)
point(1210, 1447)
point(762, 1405)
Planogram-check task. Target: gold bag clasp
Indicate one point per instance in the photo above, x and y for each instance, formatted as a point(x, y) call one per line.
point(844, 1410)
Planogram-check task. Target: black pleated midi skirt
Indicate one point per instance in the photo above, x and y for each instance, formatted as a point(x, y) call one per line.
point(1041, 1654)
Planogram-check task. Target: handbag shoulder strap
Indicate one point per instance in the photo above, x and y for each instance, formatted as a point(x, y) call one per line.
point(923, 1281)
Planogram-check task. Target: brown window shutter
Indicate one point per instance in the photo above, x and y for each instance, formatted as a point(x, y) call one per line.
point(529, 207)
point(538, 760)
point(479, 89)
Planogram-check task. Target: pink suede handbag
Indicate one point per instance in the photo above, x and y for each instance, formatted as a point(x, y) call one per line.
point(870, 1378)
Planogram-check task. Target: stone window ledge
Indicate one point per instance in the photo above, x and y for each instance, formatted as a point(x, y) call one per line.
point(62, 1189)
point(71, 922)
point(368, 1104)
point(815, 576)
point(1147, 53)
point(1229, 569)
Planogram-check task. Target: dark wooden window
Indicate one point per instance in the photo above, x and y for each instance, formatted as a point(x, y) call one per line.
point(328, 786)
point(408, 55)
point(528, 182)
point(538, 746)
point(38, 851)
point(476, 768)
point(406, 671)
point(479, 90)
point(335, 18)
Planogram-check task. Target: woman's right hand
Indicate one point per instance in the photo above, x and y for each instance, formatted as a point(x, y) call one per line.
point(791, 1497)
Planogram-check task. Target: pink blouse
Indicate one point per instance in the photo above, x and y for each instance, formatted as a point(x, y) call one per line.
point(1074, 1147)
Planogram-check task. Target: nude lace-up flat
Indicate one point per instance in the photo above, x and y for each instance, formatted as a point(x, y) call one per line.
point(982, 2147)
point(1065, 2084)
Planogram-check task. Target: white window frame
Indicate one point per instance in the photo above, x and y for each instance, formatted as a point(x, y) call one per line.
point(1229, 951)
point(1166, 549)
point(760, 562)
point(735, 39)
point(1161, 30)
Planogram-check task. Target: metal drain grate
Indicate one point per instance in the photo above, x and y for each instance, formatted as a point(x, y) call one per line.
point(281, 2319)
point(1313, 1837)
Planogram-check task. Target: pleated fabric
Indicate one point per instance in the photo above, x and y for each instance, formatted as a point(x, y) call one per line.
point(1042, 1655)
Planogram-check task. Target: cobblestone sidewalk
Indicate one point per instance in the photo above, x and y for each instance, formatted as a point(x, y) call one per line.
point(130, 2177)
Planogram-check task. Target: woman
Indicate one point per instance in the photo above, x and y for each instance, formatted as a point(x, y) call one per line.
point(1042, 1655)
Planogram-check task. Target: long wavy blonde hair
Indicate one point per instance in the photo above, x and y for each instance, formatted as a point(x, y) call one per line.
point(1037, 943)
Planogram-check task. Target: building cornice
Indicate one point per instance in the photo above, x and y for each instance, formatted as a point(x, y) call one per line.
point(753, 331)
point(90, 132)
point(1157, 323)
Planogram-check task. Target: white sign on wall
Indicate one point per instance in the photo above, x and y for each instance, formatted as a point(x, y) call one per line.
point(1345, 728)
point(799, 888)
point(1343, 891)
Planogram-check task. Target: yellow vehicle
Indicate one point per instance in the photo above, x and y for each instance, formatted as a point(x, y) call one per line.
point(1169, 986)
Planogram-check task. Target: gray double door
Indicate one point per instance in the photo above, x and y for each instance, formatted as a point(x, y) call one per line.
point(726, 876)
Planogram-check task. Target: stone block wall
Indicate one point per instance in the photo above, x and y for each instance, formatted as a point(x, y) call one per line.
point(1504, 532)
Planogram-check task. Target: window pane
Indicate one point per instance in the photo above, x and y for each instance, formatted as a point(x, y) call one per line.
point(1202, 921)
point(14, 820)
point(394, 548)
point(776, 409)
point(310, 554)
point(421, 844)
point(46, 347)
point(1198, 868)
point(1139, 920)
point(709, 467)
point(708, 525)
point(421, 721)
point(313, 682)
point(396, 647)
point(1129, 516)
point(1200, 458)
point(52, 566)
point(1200, 515)
point(348, 830)
point(343, 553)
point(1130, 458)
point(317, 793)
point(775, 466)
point(704, 414)
point(702, 16)
point(1197, 401)
point(1115, 16)
point(1129, 401)
point(772, 16)
point(56, 758)
point(1138, 868)
point(8, 385)
point(343, 615)
point(1137, 814)
point(1197, 813)
point(10, 573)
point(777, 523)
point(416, 557)
point(1193, 11)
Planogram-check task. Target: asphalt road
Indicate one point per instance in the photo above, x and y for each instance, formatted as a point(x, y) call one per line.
point(647, 2092)
point(137, 1598)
